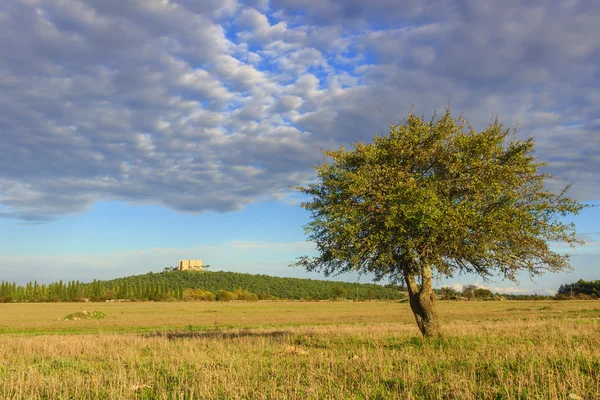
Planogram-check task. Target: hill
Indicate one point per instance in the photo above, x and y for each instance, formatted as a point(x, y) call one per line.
point(264, 286)
point(202, 285)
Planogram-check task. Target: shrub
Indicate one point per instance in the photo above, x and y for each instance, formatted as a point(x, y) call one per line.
point(264, 296)
point(483, 294)
point(161, 297)
point(447, 293)
point(245, 295)
point(339, 292)
point(198, 295)
point(109, 294)
point(224, 295)
point(85, 315)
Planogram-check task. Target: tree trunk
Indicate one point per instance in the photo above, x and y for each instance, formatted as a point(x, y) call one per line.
point(422, 303)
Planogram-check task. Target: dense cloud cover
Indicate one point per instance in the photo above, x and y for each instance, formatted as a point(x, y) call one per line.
point(214, 104)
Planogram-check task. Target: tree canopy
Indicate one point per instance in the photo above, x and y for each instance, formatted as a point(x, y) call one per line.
point(581, 287)
point(436, 197)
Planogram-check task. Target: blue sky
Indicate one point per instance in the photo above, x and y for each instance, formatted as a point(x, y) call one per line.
point(138, 133)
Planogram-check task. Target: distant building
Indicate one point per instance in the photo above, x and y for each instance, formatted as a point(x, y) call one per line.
point(189, 265)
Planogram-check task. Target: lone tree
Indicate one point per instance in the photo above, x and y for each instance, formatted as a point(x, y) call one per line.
point(436, 198)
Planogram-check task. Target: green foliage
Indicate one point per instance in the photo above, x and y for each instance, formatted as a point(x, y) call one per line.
point(437, 195)
point(224, 295)
point(483, 294)
point(192, 285)
point(468, 292)
point(447, 293)
point(198, 295)
point(245, 295)
point(582, 288)
point(339, 292)
point(264, 286)
point(32, 291)
point(85, 315)
point(524, 296)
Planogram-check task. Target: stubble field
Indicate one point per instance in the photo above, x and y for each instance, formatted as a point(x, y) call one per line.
point(295, 350)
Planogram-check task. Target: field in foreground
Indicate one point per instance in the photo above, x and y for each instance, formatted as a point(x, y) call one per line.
point(293, 350)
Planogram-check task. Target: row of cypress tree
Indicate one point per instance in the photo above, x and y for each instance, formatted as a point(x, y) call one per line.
point(96, 291)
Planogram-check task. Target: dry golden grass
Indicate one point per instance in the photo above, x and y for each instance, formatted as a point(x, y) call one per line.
point(493, 350)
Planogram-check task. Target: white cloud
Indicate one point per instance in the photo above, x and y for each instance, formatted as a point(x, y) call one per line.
point(156, 102)
point(260, 28)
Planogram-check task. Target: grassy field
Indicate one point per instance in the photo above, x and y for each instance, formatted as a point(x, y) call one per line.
point(294, 350)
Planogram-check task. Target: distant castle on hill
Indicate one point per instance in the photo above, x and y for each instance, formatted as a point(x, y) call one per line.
point(189, 265)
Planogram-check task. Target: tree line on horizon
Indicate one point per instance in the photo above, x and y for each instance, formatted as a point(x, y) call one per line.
point(228, 286)
point(196, 285)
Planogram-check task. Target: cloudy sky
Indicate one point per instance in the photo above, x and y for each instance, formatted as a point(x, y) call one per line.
point(134, 133)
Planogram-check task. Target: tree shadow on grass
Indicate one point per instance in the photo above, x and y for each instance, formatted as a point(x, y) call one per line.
point(216, 334)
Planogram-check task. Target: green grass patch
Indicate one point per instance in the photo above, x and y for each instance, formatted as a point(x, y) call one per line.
point(82, 315)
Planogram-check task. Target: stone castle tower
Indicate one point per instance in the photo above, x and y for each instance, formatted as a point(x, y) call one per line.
point(189, 265)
